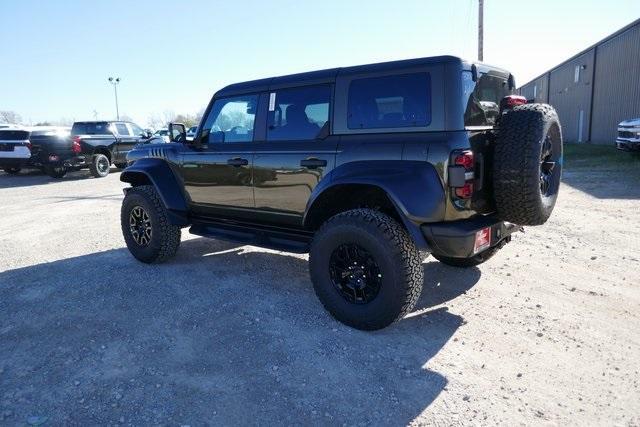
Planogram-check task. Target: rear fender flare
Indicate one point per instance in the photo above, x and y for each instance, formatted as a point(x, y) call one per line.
point(158, 173)
point(414, 188)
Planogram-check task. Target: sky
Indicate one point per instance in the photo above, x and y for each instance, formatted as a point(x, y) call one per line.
point(171, 56)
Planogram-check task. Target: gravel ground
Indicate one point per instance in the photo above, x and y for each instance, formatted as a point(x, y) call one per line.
point(547, 332)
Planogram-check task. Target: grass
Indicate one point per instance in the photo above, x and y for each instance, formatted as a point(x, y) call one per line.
point(600, 157)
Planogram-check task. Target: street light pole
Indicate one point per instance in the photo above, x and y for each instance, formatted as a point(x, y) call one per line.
point(114, 82)
point(480, 29)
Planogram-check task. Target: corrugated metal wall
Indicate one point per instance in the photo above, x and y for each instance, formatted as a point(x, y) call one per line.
point(617, 91)
point(570, 94)
point(537, 89)
point(606, 92)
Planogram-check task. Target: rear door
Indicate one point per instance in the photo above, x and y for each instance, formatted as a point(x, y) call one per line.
point(296, 152)
point(125, 141)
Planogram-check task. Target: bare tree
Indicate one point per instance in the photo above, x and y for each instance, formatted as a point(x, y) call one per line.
point(10, 117)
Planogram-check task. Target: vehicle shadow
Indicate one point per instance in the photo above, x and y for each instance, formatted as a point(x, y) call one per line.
point(35, 177)
point(604, 184)
point(221, 335)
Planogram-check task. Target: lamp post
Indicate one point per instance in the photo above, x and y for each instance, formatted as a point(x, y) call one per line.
point(114, 81)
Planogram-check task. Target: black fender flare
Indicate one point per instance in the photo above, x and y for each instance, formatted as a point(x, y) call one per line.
point(414, 187)
point(159, 174)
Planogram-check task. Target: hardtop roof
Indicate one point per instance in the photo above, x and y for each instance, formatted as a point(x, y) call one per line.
point(321, 76)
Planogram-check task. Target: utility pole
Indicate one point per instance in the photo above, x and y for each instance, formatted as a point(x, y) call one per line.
point(480, 28)
point(114, 82)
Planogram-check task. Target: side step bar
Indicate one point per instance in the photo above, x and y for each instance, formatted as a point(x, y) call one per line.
point(296, 241)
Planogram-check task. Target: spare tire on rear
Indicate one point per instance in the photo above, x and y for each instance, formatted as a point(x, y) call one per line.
point(527, 164)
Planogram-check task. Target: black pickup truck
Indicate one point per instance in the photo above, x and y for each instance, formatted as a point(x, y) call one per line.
point(95, 145)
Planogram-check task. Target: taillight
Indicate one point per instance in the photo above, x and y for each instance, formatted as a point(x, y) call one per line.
point(75, 146)
point(464, 159)
point(466, 191)
point(511, 101)
point(461, 173)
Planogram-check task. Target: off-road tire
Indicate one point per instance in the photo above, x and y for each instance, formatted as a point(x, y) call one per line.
point(517, 166)
point(95, 166)
point(120, 165)
point(392, 249)
point(55, 172)
point(165, 238)
point(12, 171)
point(468, 262)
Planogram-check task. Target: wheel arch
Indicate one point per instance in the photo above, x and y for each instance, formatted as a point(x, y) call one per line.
point(158, 173)
point(409, 192)
point(101, 149)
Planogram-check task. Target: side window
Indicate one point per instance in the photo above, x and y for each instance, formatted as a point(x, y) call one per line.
point(135, 129)
point(390, 102)
point(299, 113)
point(122, 129)
point(231, 119)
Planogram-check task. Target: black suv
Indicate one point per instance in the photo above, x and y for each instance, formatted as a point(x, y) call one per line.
point(367, 168)
point(95, 145)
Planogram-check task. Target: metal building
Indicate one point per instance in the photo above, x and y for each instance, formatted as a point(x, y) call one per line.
point(596, 89)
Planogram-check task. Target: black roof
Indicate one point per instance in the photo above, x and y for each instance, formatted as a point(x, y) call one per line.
point(323, 76)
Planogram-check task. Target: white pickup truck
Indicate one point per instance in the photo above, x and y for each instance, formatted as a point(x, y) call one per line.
point(628, 135)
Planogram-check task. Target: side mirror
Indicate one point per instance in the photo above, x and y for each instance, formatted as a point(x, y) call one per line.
point(177, 132)
point(147, 134)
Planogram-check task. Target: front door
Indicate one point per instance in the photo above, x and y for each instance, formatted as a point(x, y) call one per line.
point(296, 154)
point(217, 169)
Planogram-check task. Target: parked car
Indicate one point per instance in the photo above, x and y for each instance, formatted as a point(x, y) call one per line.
point(628, 135)
point(15, 149)
point(371, 167)
point(95, 145)
point(162, 134)
point(191, 133)
point(20, 147)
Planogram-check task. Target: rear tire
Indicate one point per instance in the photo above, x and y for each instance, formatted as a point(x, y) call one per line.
point(527, 164)
point(55, 172)
point(468, 262)
point(100, 165)
point(12, 171)
point(366, 270)
point(142, 208)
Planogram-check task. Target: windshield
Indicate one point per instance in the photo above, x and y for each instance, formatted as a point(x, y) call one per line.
point(483, 98)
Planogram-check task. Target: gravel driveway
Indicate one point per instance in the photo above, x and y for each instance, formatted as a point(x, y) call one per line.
point(547, 331)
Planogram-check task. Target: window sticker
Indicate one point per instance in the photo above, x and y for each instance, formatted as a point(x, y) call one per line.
point(272, 101)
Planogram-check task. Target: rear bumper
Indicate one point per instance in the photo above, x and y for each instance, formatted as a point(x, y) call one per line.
point(628, 144)
point(457, 239)
point(70, 162)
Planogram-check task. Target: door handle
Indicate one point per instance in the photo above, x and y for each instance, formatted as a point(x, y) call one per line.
point(313, 163)
point(237, 162)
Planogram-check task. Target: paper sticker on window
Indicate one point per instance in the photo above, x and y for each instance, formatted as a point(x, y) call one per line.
point(272, 101)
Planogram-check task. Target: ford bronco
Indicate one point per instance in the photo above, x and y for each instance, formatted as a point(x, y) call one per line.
point(367, 168)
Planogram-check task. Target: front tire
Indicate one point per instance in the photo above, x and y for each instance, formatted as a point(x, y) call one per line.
point(145, 224)
point(366, 270)
point(12, 171)
point(100, 165)
point(468, 262)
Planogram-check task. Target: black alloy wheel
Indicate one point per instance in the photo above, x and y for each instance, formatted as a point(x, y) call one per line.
point(355, 273)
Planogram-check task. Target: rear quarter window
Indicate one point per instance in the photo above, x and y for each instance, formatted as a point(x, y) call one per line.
point(390, 102)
